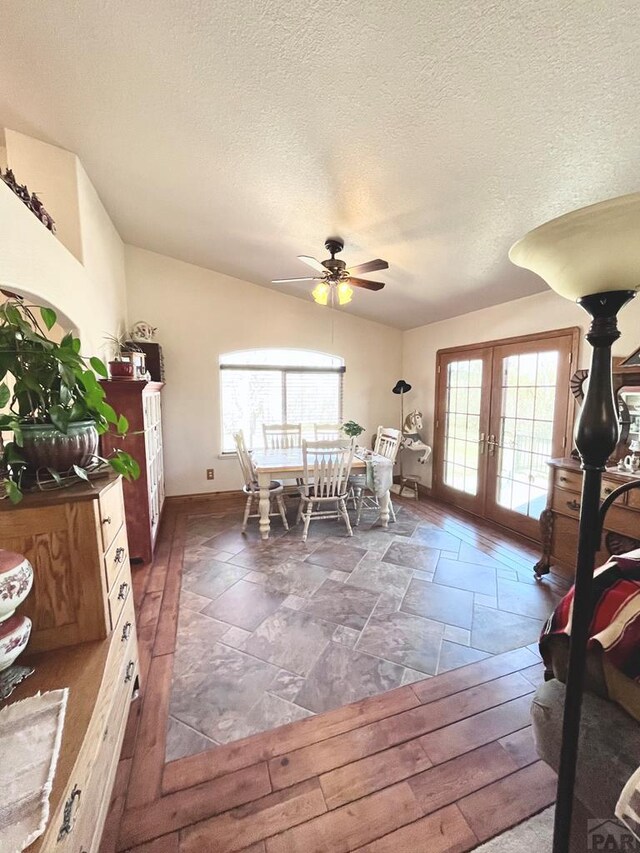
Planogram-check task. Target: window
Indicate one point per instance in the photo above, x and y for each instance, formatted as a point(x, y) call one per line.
point(265, 386)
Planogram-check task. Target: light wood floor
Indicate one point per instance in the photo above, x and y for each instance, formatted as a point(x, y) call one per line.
point(439, 765)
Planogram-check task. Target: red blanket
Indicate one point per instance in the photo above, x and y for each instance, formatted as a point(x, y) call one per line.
point(616, 617)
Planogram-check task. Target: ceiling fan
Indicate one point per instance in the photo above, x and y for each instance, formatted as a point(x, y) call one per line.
point(337, 278)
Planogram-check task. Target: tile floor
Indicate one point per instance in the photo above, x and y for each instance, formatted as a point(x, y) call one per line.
point(273, 632)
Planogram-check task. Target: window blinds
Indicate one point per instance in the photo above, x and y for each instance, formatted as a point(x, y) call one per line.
point(254, 395)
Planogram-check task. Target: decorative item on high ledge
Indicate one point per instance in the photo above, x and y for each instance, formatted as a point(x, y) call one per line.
point(143, 332)
point(142, 337)
point(591, 256)
point(55, 407)
point(16, 580)
point(30, 200)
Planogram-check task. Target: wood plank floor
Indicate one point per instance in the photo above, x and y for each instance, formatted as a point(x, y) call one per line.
point(439, 765)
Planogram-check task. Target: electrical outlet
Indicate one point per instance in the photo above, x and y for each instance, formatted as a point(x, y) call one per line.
point(210, 473)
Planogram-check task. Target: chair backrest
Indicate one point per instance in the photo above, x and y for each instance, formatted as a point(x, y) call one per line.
point(327, 465)
point(327, 432)
point(387, 442)
point(244, 458)
point(282, 436)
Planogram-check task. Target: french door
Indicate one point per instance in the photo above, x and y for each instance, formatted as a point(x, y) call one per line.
point(502, 410)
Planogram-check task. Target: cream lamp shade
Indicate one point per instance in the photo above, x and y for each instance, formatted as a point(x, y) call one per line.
point(591, 250)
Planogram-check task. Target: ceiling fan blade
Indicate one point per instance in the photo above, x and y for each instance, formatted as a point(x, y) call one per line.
point(368, 285)
point(312, 262)
point(289, 280)
point(370, 266)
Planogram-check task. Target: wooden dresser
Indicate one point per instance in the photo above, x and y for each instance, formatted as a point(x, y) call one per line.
point(140, 403)
point(559, 521)
point(83, 638)
point(76, 541)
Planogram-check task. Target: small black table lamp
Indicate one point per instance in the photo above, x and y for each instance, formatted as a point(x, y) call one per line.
point(591, 256)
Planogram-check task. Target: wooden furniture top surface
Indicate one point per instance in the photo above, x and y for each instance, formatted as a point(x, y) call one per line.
point(289, 459)
point(79, 492)
point(134, 384)
point(572, 464)
point(82, 666)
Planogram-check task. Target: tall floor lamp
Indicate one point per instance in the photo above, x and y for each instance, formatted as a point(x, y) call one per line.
point(591, 256)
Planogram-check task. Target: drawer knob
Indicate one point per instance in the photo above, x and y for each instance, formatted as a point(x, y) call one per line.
point(126, 632)
point(107, 520)
point(68, 815)
point(608, 490)
point(131, 667)
point(574, 504)
point(122, 592)
point(119, 555)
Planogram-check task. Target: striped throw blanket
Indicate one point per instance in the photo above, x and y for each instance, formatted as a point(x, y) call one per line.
point(616, 614)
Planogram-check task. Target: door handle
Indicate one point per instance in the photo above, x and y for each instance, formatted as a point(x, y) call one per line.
point(492, 444)
point(481, 441)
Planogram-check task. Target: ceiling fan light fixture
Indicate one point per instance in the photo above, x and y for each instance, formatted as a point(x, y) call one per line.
point(321, 293)
point(345, 293)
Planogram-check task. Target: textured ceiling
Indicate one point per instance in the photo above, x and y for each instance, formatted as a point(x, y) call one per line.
point(237, 135)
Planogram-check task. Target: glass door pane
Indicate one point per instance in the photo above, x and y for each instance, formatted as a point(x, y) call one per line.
point(525, 437)
point(462, 418)
point(462, 425)
point(530, 406)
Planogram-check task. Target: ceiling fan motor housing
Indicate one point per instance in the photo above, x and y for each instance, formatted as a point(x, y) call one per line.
point(334, 245)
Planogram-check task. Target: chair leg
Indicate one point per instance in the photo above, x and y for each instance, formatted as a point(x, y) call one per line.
point(247, 511)
point(359, 506)
point(307, 520)
point(392, 512)
point(299, 512)
point(343, 511)
point(283, 512)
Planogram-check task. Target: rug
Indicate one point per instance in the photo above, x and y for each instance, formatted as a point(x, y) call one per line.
point(533, 836)
point(30, 736)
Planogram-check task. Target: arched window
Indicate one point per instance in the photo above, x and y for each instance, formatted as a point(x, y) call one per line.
point(263, 386)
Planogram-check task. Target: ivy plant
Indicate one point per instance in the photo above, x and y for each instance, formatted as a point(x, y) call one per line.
point(45, 382)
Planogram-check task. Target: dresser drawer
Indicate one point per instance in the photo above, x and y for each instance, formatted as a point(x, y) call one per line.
point(73, 827)
point(564, 543)
point(81, 820)
point(566, 503)
point(633, 498)
point(607, 487)
point(119, 595)
point(111, 513)
point(116, 557)
point(570, 480)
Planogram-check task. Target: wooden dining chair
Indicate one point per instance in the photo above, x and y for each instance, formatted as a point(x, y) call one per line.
point(327, 432)
point(251, 487)
point(282, 436)
point(387, 444)
point(325, 483)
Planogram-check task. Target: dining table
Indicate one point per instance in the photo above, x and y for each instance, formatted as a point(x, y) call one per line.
point(288, 464)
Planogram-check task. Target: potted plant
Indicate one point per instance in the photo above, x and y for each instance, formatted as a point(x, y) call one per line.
point(52, 402)
point(119, 368)
point(352, 429)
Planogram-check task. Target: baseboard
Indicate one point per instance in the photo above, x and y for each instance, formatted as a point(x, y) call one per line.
point(235, 496)
point(425, 491)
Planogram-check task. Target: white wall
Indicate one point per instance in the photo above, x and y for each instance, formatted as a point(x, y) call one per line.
point(541, 312)
point(34, 261)
point(201, 314)
point(52, 173)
